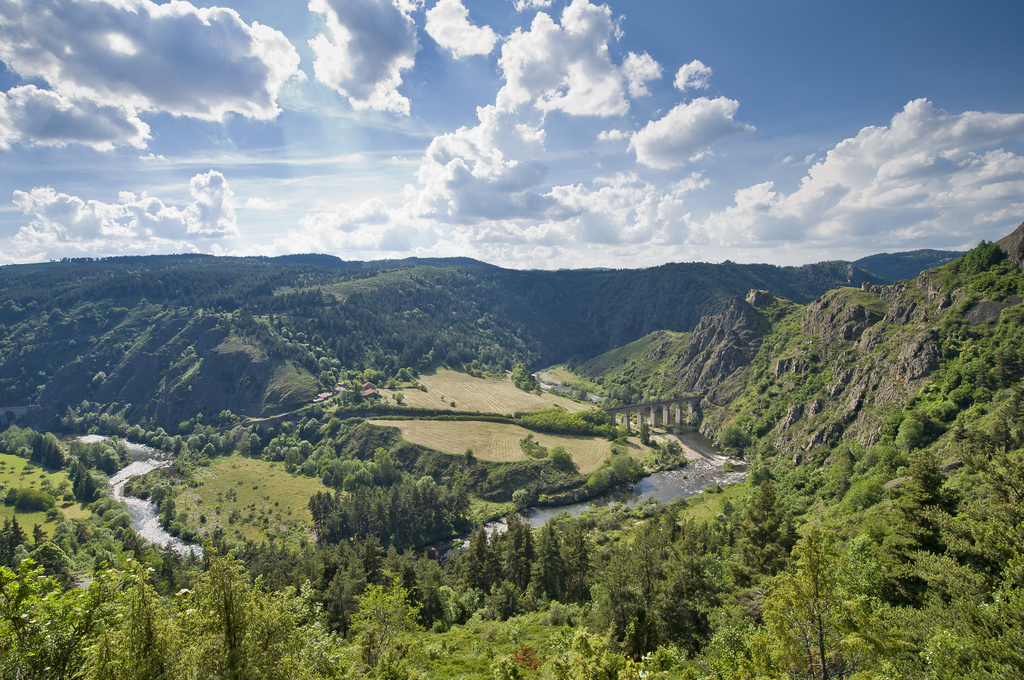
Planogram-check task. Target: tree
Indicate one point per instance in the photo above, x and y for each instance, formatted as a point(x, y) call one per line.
point(814, 623)
point(233, 628)
point(766, 534)
point(384, 616)
point(561, 459)
point(140, 642)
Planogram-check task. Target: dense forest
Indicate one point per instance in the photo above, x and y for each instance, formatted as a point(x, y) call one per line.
point(879, 532)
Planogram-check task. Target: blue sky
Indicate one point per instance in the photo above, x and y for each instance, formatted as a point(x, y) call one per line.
point(526, 133)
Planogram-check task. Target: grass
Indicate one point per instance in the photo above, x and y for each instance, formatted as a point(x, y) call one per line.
point(18, 473)
point(704, 507)
point(497, 442)
point(248, 497)
point(478, 394)
point(289, 385)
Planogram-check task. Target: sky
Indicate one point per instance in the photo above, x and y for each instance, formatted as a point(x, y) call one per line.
point(524, 133)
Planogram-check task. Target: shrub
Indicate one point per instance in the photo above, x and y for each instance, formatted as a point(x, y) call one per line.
point(32, 500)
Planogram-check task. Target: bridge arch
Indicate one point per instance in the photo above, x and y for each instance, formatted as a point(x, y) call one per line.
point(670, 410)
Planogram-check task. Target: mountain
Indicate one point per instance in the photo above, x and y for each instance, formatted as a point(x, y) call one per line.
point(851, 364)
point(168, 337)
point(899, 266)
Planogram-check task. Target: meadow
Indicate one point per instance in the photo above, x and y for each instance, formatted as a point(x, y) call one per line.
point(498, 442)
point(19, 473)
point(248, 498)
point(485, 395)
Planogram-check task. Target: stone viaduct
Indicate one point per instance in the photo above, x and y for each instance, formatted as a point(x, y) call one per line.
point(649, 412)
point(9, 414)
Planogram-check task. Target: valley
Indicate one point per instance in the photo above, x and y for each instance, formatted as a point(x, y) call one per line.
point(864, 428)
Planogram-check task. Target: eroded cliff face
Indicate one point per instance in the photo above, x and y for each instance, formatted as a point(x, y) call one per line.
point(838, 367)
point(720, 347)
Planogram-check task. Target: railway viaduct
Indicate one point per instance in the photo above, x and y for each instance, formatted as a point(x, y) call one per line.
point(648, 412)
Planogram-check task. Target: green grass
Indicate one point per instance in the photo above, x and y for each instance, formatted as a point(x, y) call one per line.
point(238, 493)
point(704, 507)
point(288, 386)
point(18, 473)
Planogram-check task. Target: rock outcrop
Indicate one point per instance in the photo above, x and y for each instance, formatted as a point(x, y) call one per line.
point(1013, 245)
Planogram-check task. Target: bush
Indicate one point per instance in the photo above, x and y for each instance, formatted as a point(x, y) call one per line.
point(32, 500)
point(561, 459)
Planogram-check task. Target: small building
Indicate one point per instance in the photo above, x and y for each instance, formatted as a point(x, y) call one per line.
point(369, 390)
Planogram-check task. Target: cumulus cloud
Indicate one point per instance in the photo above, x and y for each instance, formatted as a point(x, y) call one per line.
point(370, 229)
point(567, 66)
point(523, 5)
point(927, 177)
point(367, 45)
point(59, 223)
point(638, 69)
point(623, 209)
point(44, 118)
point(686, 131)
point(484, 185)
point(692, 76)
point(129, 55)
point(486, 171)
point(448, 24)
point(212, 211)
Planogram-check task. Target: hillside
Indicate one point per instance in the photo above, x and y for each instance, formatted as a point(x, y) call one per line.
point(851, 364)
point(170, 337)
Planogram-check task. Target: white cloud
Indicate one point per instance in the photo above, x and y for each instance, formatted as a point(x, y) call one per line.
point(367, 46)
point(928, 178)
point(130, 55)
point(487, 171)
point(639, 68)
point(45, 118)
point(368, 230)
point(448, 24)
point(523, 5)
point(212, 211)
point(613, 135)
point(60, 224)
point(692, 76)
point(565, 67)
point(685, 131)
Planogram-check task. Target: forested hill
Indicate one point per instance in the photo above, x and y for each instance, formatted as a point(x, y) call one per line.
point(177, 335)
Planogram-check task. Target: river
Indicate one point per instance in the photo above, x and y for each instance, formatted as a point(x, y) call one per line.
point(144, 513)
point(662, 486)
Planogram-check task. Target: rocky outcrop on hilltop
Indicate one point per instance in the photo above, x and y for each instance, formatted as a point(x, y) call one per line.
point(719, 347)
point(1013, 245)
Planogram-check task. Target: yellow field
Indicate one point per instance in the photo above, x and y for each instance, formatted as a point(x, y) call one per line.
point(478, 394)
point(13, 474)
point(497, 442)
point(261, 491)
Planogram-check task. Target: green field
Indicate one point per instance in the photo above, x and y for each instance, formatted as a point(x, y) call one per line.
point(248, 497)
point(477, 394)
point(499, 442)
point(18, 473)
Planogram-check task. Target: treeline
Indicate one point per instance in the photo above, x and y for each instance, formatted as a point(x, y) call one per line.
point(404, 513)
